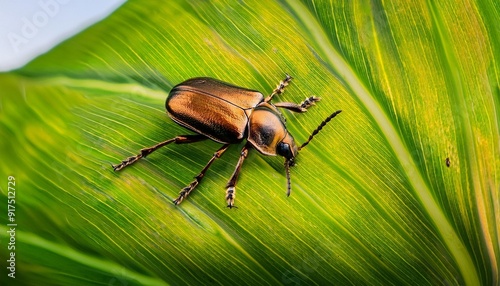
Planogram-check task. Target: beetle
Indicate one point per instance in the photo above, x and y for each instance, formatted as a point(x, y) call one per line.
point(229, 114)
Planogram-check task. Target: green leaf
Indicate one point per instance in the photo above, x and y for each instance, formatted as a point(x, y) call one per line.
point(373, 200)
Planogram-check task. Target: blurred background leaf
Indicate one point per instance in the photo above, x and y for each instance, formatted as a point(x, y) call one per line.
point(373, 200)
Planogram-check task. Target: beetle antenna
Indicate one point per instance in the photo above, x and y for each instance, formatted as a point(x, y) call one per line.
point(319, 128)
point(287, 170)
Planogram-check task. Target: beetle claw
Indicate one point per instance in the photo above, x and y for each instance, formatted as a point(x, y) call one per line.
point(230, 195)
point(120, 166)
point(180, 198)
point(126, 162)
point(310, 101)
point(185, 192)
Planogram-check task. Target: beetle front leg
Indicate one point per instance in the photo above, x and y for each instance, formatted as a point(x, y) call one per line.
point(181, 139)
point(302, 107)
point(280, 88)
point(187, 190)
point(231, 184)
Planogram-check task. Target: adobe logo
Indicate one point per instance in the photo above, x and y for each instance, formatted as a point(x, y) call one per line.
point(31, 25)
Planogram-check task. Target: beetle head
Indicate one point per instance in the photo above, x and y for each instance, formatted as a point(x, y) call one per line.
point(287, 148)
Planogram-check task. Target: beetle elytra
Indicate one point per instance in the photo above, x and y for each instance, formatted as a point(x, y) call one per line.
point(229, 114)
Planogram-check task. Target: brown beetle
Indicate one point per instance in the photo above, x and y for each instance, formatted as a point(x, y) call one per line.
point(228, 114)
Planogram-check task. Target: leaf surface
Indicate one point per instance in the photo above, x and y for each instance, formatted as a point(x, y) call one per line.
point(373, 200)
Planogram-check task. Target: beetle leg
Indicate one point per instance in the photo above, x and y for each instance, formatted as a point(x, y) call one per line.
point(310, 101)
point(187, 190)
point(280, 88)
point(231, 184)
point(290, 106)
point(302, 107)
point(181, 139)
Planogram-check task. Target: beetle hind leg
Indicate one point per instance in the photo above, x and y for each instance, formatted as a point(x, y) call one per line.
point(143, 154)
point(182, 139)
point(189, 188)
